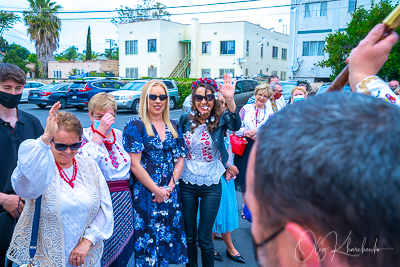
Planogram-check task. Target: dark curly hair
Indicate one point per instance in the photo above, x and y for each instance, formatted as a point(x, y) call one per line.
point(216, 111)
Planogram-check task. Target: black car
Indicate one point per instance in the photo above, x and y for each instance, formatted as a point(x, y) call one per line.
point(49, 95)
point(80, 92)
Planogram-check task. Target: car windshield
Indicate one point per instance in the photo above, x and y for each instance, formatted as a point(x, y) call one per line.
point(50, 87)
point(287, 88)
point(134, 86)
point(78, 85)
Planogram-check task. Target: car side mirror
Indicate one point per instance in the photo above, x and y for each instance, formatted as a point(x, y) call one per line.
point(237, 91)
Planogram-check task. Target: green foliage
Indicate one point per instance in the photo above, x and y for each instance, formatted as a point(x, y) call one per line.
point(73, 72)
point(13, 58)
point(184, 89)
point(115, 53)
point(88, 46)
point(7, 19)
point(32, 58)
point(4, 46)
point(22, 52)
point(69, 54)
point(148, 11)
point(339, 44)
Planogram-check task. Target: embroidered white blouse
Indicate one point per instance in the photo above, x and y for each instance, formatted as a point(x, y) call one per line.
point(115, 164)
point(32, 176)
point(202, 164)
point(253, 118)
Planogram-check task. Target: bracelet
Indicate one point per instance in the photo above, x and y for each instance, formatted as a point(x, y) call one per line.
point(98, 132)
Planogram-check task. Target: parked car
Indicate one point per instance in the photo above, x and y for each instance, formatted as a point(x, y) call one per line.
point(29, 86)
point(49, 95)
point(80, 92)
point(243, 91)
point(128, 97)
point(325, 87)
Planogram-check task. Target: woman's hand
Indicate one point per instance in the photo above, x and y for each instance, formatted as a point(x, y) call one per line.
point(161, 194)
point(228, 91)
point(78, 255)
point(233, 170)
point(251, 134)
point(51, 124)
point(106, 122)
point(171, 185)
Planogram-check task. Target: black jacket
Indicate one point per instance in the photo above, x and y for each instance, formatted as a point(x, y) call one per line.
point(228, 121)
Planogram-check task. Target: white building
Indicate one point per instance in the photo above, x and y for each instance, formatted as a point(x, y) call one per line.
point(160, 48)
point(310, 22)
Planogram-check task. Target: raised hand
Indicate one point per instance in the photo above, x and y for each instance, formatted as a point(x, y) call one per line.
point(228, 91)
point(51, 124)
point(107, 121)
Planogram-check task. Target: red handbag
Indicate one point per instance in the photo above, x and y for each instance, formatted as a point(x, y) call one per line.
point(238, 144)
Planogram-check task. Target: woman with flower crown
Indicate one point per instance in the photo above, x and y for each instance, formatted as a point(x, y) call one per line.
point(204, 127)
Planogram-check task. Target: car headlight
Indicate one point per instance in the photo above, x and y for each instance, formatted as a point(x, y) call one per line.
point(126, 97)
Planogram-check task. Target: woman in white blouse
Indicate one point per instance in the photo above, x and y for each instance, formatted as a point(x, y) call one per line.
point(252, 116)
point(76, 212)
point(104, 144)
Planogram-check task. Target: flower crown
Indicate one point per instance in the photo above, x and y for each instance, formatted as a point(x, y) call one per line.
point(206, 80)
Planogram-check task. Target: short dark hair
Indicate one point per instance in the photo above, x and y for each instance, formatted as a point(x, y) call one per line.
point(12, 72)
point(271, 77)
point(336, 170)
point(304, 83)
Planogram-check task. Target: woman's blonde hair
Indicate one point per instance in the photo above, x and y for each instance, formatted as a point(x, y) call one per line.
point(102, 102)
point(68, 121)
point(264, 87)
point(298, 88)
point(144, 108)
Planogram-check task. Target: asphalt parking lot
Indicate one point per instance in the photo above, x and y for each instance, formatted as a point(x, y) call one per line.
point(241, 237)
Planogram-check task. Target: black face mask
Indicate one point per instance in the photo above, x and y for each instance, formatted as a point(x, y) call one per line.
point(9, 101)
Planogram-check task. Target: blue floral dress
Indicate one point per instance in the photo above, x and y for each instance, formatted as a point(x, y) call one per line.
point(159, 233)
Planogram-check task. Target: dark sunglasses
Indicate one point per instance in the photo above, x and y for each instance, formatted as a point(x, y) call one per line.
point(63, 147)
point(208, 98)
point(161, 97)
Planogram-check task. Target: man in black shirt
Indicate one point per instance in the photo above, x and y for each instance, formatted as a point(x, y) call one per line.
point(15, 127)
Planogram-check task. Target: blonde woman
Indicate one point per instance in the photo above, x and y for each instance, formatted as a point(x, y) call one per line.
point(157, 150)
point(298, 94)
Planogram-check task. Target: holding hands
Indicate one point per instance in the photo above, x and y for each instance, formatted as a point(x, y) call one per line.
point(51, 124)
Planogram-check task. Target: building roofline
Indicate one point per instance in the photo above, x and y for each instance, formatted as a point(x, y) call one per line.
point(83, 61)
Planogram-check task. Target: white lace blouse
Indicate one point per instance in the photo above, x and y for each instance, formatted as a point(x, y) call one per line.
point(115, 164)
point(202, 164)
point(33, 174)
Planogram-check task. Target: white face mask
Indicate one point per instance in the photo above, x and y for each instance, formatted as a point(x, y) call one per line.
point(298, 98)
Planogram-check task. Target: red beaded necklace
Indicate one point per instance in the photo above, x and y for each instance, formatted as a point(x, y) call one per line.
point(64, 175)
point(106, 143)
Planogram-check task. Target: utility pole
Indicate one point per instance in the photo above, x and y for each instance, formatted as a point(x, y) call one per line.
point(111, 41)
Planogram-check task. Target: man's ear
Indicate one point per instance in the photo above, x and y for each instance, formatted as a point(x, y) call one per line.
point(305, 251)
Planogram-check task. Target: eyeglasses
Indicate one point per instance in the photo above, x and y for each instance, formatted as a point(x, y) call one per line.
point(63, 147)
point(255, 246)
point(99, 117)
point(161, 97)
point(278, 91)
point(208, 98)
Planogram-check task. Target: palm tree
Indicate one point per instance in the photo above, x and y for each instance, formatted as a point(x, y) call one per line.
point(44, 28)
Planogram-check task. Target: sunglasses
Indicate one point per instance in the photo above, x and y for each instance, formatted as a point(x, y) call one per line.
point(63, 147)
point(208, 98)
point(161, 97)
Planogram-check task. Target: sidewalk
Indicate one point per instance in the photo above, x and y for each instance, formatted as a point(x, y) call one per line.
point(242, 241)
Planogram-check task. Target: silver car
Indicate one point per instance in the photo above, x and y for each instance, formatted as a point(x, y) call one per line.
point(128, 96)
point(29, 86)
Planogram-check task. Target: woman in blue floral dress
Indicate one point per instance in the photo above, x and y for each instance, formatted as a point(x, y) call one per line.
point(156, 146)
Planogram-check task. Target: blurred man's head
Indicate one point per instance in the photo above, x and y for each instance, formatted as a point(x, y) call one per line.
point(277, 89)
point(393, 84)
point(273, 78)
point(325, 182)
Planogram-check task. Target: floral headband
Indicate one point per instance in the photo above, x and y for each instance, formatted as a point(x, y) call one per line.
point(206, 80)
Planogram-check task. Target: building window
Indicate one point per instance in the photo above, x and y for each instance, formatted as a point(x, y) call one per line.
point(283, 75)
point(260, 71)
point(152, 72)
point(262, 51)
point(352, 5)
point(274, 52)
point(151, 46)
point(206, 48)
point(284, 54)
point(132, 73)
point(57, 74)
point(227, 47)
point(318, 9)
point(313, 48)
point(223, 71)
point(274, 72)
point(247, 72)
point(205, 73)
point(131, 47)
point(247, 48)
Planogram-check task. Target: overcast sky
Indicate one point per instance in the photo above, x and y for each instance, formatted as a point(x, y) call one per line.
point(73, 33)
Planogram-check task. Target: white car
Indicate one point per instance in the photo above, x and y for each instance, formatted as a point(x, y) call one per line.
point(28, 86)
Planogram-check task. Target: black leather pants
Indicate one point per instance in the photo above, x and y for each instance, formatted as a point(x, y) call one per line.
point(210, 198)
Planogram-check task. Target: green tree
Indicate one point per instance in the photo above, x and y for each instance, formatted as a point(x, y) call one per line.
point(17, 55)
point(69, 54)
point(44, 28)
point(148, 11)
point(4, 46)
point(7, 19)
point(88, 46)
point(22, 52)
point(114, 54)
point(73, 72)
point(339, 44)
